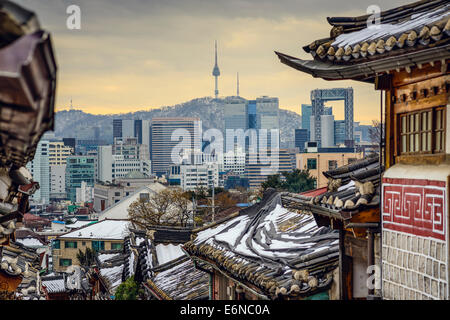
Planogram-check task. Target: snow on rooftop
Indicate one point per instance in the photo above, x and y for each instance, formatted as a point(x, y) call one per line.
point(384, 30)
point(139, 240)
point(30, 242)
point(281, 233)
point(106, 229)
point(168, 252)
point(78, 224)
point(114, 275)
point(54, 285)
point(106, 256)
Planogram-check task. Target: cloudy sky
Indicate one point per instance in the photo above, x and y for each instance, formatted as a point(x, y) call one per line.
point(141, 54)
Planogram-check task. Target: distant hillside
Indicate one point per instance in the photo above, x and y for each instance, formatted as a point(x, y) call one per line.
point(78, 124)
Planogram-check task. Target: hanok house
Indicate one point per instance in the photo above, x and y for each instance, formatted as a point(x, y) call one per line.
point(71, 285)
point(268, 252)
point(350, 204)
point(156, 261)
point(406, 55)
point(163, 268)
point(19, 272)
point(27, 82)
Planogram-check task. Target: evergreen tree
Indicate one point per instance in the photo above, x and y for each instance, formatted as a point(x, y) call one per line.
point(295, 181)
point(128, 290)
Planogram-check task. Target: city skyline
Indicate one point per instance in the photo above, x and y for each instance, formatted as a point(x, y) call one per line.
point(140, 56)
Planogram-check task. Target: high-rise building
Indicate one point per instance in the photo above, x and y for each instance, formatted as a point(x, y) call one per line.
point(267, 119)
point(328, 111)
point(104, 164)
point(78, 169)
point(130, 148)
point(362, 132)
point(319, 97)
point(235, 118)
point(70, 142)
point(267, 113)
point(339, 132)
point(301, 137)
point(142, 131)
point(40, 170)
point(306, 115)
point(58, 152)
point(123, 128)
point(252, 118)
point(170, 133)
point(58, 182)
point(260, 165)
point(112, 166)
point(327, 126)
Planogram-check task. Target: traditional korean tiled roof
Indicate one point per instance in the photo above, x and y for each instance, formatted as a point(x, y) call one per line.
point(163, 234)
point(351, 189)
point(411, 29)
point(111, 265)
point(18, 260)
point(70, 282)
point(279, 251)
point(179, 280)
point(144, 259)
point(54, 284)
point(24, 234)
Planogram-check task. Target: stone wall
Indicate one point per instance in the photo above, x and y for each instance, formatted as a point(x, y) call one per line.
point(414, 267)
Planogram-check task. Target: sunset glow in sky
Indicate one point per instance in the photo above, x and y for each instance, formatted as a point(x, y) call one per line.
point(137, 55)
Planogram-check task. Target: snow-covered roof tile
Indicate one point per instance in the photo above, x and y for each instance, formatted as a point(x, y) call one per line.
point(181, 282)
point(266, 243)
point(168, 252)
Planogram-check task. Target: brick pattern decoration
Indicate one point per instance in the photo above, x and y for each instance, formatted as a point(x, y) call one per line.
point(414, 267)
point(415, 206)
point(414, 254)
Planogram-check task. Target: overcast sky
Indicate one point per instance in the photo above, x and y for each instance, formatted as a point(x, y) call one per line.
point(141, 54)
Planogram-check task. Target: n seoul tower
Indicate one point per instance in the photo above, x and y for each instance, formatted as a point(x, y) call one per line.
point(216, 74)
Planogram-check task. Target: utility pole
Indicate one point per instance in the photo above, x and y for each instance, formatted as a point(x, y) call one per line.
point(213, 203)
point(194, 210)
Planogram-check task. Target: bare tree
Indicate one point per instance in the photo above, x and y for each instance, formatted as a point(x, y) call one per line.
point(375, 132)
point(167, 207)
point(183, 206)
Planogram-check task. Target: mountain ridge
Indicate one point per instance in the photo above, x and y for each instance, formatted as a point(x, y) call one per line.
point(79, 124)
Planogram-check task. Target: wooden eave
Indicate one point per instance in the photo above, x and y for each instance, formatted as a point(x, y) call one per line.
point(366, 71)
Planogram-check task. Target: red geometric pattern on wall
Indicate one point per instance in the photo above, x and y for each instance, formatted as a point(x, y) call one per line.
point(415, 206)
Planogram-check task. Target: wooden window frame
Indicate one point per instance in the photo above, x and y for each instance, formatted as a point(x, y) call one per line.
point(421, 131)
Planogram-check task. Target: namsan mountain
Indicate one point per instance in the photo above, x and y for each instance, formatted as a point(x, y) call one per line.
point(79, 124)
